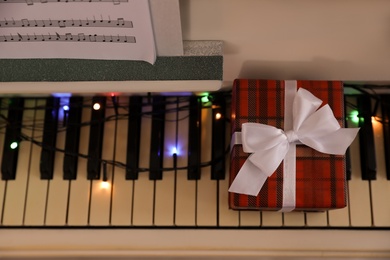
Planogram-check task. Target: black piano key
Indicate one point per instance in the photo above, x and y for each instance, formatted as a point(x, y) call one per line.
point(157, 138)
point(194, 138)
point(73, 125)
point(386, 130)
point(96, 138)
point(366, 137)
point(133, 137)
point(12, 135)
point(218, 138)
point(348, 166)
point(49, 138)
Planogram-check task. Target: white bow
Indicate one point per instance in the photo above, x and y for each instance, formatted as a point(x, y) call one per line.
point(318, 129)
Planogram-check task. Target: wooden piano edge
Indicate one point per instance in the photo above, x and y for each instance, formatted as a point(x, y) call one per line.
point(88, 88)
point(192, 243)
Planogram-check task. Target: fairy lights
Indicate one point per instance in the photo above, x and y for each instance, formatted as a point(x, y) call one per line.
point(96, 106)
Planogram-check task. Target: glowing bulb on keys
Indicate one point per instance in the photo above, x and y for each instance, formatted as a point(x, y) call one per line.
point(104, 185)
point(96, 106)
point(13, 145)
point(174, 155)
point(65, 108)
point(218, 116)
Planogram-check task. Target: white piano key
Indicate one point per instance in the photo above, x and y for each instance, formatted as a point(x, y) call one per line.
point(339, 217)
point(359, 191)
point(250, 218)
point(143, 187)
point(165, 188)
point(185, 189)
point(185, 199)
point(294, 219)
point(79, 195)
point(100, 201)
point(380, 188)
point(57, 198)
point(206, 188)
point(37, 188)
point(227, 217)
point(271, 219)
point(3, 112)
point(317, 219)
point(101, 192)
point(122, 189)
point(13, 211)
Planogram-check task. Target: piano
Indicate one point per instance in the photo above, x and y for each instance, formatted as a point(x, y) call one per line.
point(178, 211)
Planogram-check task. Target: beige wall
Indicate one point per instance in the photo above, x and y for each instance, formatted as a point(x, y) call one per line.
point(295, 39)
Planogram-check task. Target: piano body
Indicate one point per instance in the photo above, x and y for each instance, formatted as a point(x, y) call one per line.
point(172, 216)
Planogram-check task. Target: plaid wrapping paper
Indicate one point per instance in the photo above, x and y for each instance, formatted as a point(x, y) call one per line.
point(320, 178)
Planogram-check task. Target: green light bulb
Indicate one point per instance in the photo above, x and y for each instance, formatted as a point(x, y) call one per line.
point(205, 97)
point(354, 116)
point(14, 145)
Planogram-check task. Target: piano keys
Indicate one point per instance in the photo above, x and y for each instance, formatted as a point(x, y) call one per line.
point(174, 200)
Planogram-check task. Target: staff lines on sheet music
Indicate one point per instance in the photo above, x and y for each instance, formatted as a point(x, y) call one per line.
point(63, 23)
point(31, 2)
point(67, 37)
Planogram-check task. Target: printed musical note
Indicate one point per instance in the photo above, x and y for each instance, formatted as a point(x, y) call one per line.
point(25, 22)
point(92, 38)
point(61, 23)
point(68, 37)
point(120, 22)
point(81, 37)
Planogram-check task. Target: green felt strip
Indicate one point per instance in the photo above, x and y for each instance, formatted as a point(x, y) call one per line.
point(165, 68)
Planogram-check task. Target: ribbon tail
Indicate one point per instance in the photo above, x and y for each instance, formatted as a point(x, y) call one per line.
point(249, 180)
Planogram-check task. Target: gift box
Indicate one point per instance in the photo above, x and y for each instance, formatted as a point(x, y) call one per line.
point(318, 181)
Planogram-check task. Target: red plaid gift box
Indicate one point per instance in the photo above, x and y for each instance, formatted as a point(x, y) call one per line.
point(320, 178)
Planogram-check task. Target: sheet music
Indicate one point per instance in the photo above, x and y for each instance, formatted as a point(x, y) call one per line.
point(77, 29)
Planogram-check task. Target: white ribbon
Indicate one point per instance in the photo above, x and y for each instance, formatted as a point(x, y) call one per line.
point(316, 128)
